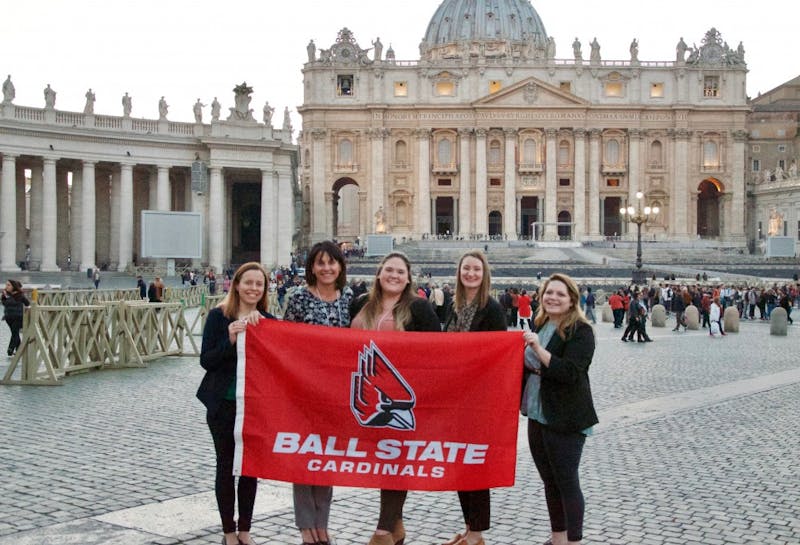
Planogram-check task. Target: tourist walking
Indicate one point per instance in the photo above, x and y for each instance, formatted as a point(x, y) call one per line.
point(14, 303)
point(557, 400)
point(525, 312)
point(714, 316)
point(474, 310)
point(391, 305)
point(325, 300)
point(245, 304)
point(590, 304)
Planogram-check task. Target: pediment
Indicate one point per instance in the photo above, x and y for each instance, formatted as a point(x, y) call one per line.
point(531, 92)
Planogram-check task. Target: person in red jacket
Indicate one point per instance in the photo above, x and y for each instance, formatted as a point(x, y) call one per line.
point(617, 308)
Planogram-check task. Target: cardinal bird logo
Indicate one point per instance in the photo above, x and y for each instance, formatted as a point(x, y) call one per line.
point(379, 395)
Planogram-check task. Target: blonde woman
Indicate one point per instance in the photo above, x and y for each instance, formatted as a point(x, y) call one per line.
point(391, 305)
point(557, 400)
point(474, 310)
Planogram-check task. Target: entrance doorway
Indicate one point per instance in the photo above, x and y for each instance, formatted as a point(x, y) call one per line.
point(444, 216)
point(346, 217)
point(529, 212)
point(612, 223)
point(246, 222)
point(495, 223)
point(564, 231)
point(708, 208)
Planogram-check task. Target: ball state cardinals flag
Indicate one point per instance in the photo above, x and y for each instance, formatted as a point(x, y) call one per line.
point(377, 409)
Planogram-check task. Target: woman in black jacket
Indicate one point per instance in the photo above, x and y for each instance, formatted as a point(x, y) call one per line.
point(14, 303)
point(391, 305)
point(557, 400)
point(246, 303)
point(474, 310)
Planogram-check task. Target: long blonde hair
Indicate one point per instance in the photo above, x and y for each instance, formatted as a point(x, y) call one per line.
point(460, 299)
point(230, 304)
point(573, 315)
point(402, 310)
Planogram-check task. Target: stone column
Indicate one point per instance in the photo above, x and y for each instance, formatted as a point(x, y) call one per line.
point(114, 218)
point(269, 216)
point(679, 201)
point(550, 185)
point(736, 227)
point(199, 203)
point(35, 214)
point(215, 225)
point(518, 218)
point(329, 206)
point(125, 216)
point(594, 183)
point(163, 189)
point(152, 189)
point(319, 205)
point(481, 183)
point(510, 186)
point(579, 195)
point(62, 211)
point(465, 188)
point(378, 184)
point(8, 214)
point(634, 151)
point(76, 217)
point(423, 198)
point(285, 225)
point(88, 217)
point(22, 214)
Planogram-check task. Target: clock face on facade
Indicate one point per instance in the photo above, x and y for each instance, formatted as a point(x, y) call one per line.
point(346, 53)
point(713, 53)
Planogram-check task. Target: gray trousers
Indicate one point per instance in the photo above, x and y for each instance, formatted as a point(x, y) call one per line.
point(312, 505)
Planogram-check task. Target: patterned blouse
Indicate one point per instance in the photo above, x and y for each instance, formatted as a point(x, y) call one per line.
point(307, 308)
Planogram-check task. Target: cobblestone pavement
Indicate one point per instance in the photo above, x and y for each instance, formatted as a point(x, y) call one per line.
point(698, 444)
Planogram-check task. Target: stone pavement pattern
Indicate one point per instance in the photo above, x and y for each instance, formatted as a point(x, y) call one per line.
point(697, 445)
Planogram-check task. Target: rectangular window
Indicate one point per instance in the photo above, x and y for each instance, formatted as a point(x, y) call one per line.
point(613, 89)
point(400, 89)
point(563, 182)
point(445, 181)
point(445, 89)
point(782, 164)
point(612, 182)
point(565, 86)
point(756, 148)
point(344, 85)
point(781, 148)
point(495, 182)
point(494, 86)
point(711, 86)
point(756, 165)
point(656, 90)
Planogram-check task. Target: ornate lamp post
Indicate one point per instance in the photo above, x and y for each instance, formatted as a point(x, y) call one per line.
point(638, 215)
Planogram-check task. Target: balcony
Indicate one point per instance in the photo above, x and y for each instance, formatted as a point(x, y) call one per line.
point(450, 168)
point(530, 168)
point(345, 168)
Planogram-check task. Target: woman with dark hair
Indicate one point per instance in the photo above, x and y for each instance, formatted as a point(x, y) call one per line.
point(391, 305)
point(14, 303)
point(557, 400)
point(474, 310)
point(245, 304)
point(325, 300)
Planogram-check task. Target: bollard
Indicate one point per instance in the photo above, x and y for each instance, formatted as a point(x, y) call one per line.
point(730, 320)
point(692, 318)
point(658, 316)
point(605, 314)
point(778, 322)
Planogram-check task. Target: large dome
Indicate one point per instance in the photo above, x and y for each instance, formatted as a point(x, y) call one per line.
point(481, 21)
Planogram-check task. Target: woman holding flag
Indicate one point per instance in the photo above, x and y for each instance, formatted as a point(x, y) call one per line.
point(391, 305)
point(245, 304)
point(557, 400)
point(325, 300)
point(474, 310)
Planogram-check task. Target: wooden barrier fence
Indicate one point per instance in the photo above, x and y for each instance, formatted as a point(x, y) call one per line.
point(62, 340)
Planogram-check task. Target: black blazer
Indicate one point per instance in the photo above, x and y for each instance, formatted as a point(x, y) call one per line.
point(492, 317)
point(218, 358)
point(423, 317)
point(565, 391)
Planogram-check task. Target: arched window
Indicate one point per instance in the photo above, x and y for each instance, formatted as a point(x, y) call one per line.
point(612, 152)
point(400, 152)
point(710, 154)
point(444, 151)
point(345, 152)
point(656, 154)
point(529, 151)
point(494, 153)
point(563, 153)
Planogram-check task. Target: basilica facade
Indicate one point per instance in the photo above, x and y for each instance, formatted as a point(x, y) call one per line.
point(74, 184)
point(494, 131)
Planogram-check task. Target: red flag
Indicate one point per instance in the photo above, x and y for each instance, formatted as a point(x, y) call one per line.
point(375, 409)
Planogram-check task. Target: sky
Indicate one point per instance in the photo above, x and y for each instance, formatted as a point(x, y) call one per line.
point(185, 50)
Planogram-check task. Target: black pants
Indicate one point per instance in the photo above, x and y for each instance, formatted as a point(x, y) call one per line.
point(15, 325)
point(221, 426)
point(557, 457)
point(392, 502)
point(476, 504)
point(633, 327)
point(618, 315)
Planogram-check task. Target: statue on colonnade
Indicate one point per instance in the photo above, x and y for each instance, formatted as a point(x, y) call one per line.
point(378, 49)
point(287, 121)
point(198, 111)
point(594, 56)
point(49, 97)
point(311, 49)
point(268, 111)
point(88, 108)
point(242, 98)
point(680, 51)
point(127, 105)
point(9, 93)
point(634, 49)
point(215, 109)
point(775, 224)
point(163, 109)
